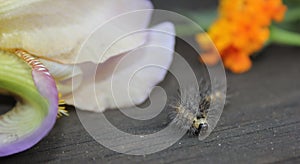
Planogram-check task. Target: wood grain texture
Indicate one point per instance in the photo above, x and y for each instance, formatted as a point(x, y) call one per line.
point(260, 125)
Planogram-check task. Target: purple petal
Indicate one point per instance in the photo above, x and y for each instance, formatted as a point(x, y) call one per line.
point(47, 88)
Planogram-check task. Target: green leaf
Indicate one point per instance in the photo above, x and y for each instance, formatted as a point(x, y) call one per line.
point(281, 36)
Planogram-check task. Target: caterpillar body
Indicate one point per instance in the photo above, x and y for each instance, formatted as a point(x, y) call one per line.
point(191, 110)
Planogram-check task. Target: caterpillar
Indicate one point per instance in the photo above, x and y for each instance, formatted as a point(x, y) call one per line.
point(191, 108)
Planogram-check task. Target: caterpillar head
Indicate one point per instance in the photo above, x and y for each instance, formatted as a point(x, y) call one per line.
point(199, 126)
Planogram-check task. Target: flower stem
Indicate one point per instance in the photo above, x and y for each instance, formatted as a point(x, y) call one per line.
point(292, 15)
point(282, 36)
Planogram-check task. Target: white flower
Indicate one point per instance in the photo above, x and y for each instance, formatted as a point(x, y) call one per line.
point(54, 30)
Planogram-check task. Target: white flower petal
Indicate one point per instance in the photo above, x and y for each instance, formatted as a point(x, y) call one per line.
point(127, 79)
point(56, 28)
point(63, 75)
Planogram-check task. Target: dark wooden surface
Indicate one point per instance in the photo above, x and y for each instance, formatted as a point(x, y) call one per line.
point(260, 125)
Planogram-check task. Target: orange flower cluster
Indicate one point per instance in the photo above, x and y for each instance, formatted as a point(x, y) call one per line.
point(241, 29)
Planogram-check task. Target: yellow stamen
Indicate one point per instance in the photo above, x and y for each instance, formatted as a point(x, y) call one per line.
point(61, 107)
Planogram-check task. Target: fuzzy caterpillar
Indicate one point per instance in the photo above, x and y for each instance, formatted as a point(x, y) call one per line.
point(191, 110)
